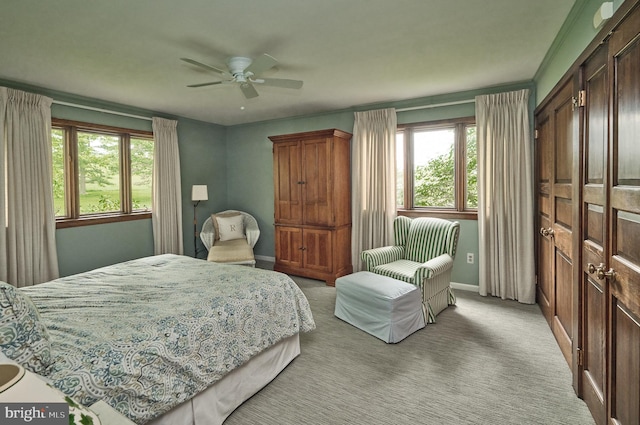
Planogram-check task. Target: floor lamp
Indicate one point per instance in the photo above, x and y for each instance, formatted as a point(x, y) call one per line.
point(198, 193)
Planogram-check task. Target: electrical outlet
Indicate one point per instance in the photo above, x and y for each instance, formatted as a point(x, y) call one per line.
point(470, 259)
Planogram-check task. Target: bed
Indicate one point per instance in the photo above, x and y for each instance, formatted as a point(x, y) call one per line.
point(170, 339)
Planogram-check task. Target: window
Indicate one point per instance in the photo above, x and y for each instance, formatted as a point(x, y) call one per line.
point(100, 174)
point(437, 168)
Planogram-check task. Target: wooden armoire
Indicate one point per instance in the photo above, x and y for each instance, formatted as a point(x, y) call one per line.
point(588, 217)
point(312, 210)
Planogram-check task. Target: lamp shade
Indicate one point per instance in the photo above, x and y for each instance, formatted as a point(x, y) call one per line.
point(199, 192)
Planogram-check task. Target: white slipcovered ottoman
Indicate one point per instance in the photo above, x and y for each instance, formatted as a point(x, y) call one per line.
point(386, 308)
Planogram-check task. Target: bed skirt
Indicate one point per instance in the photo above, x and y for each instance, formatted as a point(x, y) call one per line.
point(216, 403)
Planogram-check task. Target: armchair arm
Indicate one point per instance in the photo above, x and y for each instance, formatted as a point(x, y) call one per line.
point(434, 267)
point(251, 229)
point(383, 255)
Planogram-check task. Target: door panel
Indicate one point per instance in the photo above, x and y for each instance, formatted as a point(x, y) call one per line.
point(287, 183)
point(317, 250)
point(561, 221)
point(594, 291)
point(289, 246)
point(317, 181)
point(545, 292)
point(627, 358)
point(557, 216)
point(623, 260)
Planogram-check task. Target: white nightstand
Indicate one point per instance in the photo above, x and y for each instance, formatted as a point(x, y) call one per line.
point(108, 415)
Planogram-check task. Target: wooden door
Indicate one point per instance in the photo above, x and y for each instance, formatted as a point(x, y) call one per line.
point(545, 289)
point(288, 247)
point(316, 160)
point(287, 179)
point(594, 292)
point(317, 251)
point(622, 266)
point(556, 217)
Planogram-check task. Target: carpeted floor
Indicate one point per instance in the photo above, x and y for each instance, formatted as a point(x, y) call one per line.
point(486, 361)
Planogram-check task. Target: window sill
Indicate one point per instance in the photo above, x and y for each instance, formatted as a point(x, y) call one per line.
point(446, 214)
point(89, 220)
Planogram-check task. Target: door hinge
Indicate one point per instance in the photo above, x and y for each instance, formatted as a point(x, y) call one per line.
point(580, 357)
point(536, 133)
point(582, 98)
point(580, 101)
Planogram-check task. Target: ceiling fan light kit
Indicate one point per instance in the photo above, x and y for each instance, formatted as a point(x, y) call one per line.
point(245, 71)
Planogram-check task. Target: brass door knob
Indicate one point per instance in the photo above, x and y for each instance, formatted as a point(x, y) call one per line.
point(547, 232)
point(601, 274)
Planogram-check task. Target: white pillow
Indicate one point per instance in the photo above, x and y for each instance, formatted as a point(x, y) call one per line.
point(230, 227)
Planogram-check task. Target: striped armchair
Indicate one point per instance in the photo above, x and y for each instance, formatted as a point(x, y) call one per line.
point(422, 255)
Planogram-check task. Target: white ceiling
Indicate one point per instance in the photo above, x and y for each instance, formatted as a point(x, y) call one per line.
point(348, 52)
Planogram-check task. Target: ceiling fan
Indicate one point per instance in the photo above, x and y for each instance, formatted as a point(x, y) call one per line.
point(245, 72)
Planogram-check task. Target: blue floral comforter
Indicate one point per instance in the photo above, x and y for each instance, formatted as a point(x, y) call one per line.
point(148, 334)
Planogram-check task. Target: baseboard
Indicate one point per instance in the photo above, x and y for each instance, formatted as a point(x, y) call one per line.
point(465, 287)
point(454, 285)
point(265, 258)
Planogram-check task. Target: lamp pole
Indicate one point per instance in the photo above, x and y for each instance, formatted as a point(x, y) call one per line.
point(195, 230)
point(199, 193)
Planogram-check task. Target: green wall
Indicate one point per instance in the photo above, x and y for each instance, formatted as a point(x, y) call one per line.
point(236, 162)
point(572, 39)
point(250, 163)
point(202, 161)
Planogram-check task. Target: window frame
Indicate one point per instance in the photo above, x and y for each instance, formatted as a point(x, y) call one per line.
point(71, 184)
point(459, 211)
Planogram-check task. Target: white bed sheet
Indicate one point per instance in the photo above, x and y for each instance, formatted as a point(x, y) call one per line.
point(216, 403)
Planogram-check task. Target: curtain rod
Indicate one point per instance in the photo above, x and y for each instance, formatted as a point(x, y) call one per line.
point(106, 111)
point(436, 105)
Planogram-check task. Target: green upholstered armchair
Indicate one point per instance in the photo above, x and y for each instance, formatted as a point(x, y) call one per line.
point(422, 255)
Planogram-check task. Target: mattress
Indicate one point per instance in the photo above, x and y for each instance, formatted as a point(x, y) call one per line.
point(148, 335)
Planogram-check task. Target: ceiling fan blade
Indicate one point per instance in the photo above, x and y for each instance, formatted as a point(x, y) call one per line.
point(261, 64)
point(281, 82)
point(208, 67)
point(248, 90)
point(205, 84)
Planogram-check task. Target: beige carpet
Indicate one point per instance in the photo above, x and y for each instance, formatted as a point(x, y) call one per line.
point(486, 361)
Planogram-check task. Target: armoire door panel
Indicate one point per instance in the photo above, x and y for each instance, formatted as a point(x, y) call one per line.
point(289, 246)
point(287, 183)
point(317, 250)
point(317, 178)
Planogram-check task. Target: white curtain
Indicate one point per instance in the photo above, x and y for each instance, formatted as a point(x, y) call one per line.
point(167, 193)
point(505, 196)
point(27, 248)
point(373, 180)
